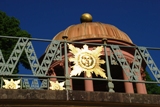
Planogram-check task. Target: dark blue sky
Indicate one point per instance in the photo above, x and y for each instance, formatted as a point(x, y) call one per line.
point(140, 19)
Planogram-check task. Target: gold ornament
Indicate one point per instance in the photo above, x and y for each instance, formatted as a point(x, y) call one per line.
point(86, 60)
point(56, 85)
point(86, 17)
point(11, 84)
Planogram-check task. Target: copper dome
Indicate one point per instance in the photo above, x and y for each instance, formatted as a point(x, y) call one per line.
point(90, 30)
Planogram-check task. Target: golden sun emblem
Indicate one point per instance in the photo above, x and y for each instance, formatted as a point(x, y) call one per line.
point(11, 84)
point(87, 61)
point(56, 85)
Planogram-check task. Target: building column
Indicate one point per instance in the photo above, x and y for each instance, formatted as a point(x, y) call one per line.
point(141, 87)
point(144, 87)
point(88, 83)
point(128, 85)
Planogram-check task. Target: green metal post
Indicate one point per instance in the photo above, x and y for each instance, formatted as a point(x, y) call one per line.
point(1, 82)
point(21, 83)
point(48, 84)
point(110, 84)
point(68, 84)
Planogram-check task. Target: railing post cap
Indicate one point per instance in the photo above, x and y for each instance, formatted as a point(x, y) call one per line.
point(64, 37)
point(104, 40)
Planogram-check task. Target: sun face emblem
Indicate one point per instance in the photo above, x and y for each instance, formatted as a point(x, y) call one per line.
point(86, 60)
point(11, 84)
point(56, 85)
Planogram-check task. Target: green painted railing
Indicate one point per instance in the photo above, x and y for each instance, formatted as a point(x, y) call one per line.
point(58, 51)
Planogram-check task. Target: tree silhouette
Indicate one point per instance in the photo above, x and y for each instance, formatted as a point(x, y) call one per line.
point(151, 88)
point(10, 26)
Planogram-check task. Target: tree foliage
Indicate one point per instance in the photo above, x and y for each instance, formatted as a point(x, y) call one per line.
point(10, 26)
point(151, 88)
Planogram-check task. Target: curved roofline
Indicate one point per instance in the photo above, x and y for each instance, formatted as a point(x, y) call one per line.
point(92, 30)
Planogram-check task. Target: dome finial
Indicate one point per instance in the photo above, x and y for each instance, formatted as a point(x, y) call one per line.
point(86, 17)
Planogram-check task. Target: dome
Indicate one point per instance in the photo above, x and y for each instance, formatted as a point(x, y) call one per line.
point(92, 30)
